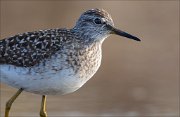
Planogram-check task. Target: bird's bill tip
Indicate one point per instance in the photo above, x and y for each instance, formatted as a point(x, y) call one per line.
point(124, 34)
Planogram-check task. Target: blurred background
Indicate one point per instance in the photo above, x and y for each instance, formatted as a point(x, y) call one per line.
point(135, 78)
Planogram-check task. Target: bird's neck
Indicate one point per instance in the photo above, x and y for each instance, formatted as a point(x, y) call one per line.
point(88, 36)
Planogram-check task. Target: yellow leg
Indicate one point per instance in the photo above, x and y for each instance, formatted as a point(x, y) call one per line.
point(43, 107)
point(10, 101)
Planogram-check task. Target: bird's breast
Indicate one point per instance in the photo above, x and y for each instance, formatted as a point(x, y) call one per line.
point(84, 62)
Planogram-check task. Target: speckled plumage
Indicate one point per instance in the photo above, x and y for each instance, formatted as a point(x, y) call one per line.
point(28, 49)
point(53, 61)
point(57, 61)
point(64, 72)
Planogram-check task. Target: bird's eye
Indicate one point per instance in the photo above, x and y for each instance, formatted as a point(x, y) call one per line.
point(98, 21)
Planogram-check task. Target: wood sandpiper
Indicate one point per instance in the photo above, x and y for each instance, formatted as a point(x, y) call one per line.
point(56, 61)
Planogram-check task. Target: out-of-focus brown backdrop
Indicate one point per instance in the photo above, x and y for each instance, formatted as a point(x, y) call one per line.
point(135, 78)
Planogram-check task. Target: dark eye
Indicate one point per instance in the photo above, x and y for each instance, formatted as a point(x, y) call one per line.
point(98, 21)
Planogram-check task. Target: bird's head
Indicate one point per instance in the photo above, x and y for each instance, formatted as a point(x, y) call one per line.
point(96, 25)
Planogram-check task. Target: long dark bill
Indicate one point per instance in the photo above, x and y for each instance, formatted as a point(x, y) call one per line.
point(122, 33)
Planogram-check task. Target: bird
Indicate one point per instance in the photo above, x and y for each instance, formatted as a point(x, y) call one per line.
point(56, 61)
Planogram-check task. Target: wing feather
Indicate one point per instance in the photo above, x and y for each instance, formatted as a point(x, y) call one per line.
point(28, 49)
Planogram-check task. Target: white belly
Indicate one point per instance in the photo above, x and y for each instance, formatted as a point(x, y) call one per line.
point(57, 75)
point(62, 82)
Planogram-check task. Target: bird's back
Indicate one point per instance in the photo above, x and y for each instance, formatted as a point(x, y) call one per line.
point(28, 49)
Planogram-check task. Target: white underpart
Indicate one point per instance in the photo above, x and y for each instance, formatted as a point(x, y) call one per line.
point(43, 80)
point(46, 83)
